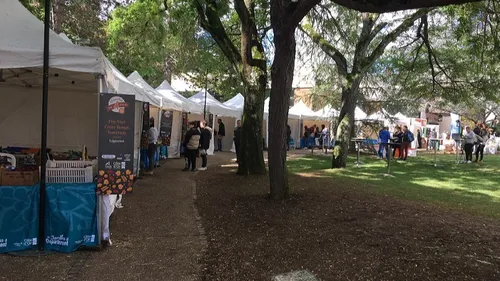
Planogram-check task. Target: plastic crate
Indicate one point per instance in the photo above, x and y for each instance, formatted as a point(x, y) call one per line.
point(70, 175)
point(73, 164)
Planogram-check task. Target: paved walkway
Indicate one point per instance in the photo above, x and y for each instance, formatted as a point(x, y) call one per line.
point(156, 236)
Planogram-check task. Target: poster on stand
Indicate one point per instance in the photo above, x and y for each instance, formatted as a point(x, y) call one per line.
point(167, 118)
point(116, 144)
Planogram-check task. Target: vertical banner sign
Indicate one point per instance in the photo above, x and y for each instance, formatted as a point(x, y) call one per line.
point(116, 144)
point(166, 126)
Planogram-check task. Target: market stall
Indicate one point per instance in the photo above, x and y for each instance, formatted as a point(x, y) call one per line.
point(175, 105)
point(77, 75)
point(227, 114)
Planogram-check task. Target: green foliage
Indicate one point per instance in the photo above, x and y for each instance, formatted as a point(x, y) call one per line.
point(460, 70)
point(136, 35)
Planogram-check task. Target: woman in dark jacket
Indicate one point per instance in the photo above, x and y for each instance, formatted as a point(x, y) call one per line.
point(398, 138)
point(206, 136)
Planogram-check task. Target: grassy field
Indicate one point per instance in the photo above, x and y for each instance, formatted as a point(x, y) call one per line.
point(469, 187)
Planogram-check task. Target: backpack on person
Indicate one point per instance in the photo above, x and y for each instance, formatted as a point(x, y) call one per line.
point(411, 137)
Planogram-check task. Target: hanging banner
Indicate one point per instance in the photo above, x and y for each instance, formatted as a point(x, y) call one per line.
point(167, 118)
point(19, 210)
point(116, 144)
point(71, 217)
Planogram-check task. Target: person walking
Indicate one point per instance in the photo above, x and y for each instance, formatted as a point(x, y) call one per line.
point(470, 140)
point(221, 133)
point(237, 140)
point(419, 139)
point(482, 137)
point(205, 138)
point(383, 137)
point(406, 142)
point(191, 143)
point(152, 139)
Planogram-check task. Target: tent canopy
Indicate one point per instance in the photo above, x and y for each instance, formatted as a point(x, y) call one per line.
point(176, 101)
point(237, 102)
point(214, 106)
point(327, 112)
point(303, 111)
point(359, 114)
point(21, 44)
point(266, 111)
point(139, 82)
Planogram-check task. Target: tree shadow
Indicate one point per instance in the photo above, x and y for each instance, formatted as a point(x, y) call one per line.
point(465, 186)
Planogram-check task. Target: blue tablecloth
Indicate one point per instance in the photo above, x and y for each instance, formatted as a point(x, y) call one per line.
point(70, 217)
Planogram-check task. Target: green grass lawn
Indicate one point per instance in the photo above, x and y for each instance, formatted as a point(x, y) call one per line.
point(469, 187)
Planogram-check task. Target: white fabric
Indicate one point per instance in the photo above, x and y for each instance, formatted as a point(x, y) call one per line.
point(303, 111)
point(359, 114)
point(327, 112)
point(136, 79)
point(214, 106)
point(118, 83)
point(21, 44)
point(237, 102)
point(266, 111)
point(176, 101)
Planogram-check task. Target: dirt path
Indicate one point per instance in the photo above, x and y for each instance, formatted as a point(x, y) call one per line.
point(156, 236)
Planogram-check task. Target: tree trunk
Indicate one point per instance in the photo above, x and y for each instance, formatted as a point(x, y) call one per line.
point(345, 126)
point(57, 15)
point(281, 87)
point(251, 152)
point(167, 69)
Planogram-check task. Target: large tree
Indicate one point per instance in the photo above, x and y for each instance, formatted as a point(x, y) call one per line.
point(354, 48)
point(249, 60)
point(452, 66)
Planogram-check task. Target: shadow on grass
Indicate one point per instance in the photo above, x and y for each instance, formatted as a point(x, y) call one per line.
point(472, 187)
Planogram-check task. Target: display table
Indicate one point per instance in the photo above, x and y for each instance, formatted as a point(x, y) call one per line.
point(358, 142)
point(70, 217)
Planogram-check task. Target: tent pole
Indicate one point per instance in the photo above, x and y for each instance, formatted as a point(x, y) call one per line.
point(43, 152)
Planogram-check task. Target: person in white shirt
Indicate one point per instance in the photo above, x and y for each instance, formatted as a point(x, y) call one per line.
point(470, 140)
point(152, 140)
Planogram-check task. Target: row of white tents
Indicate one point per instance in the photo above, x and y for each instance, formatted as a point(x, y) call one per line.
point(78, 74)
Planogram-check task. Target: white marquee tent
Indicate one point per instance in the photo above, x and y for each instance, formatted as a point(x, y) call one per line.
point(176, 101)
point(359, 114)
point(303, 111)
point(327, 112)
point(227, 114)
point(236, 102)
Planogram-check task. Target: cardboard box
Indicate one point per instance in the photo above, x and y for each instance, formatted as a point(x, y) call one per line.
point(19, 178)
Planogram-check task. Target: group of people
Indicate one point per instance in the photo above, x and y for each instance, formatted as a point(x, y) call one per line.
point(475, 139)
point(402, 139)
point(197, 142)
point(314, 136)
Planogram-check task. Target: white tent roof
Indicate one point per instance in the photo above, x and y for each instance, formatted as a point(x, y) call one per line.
point(400, 116)
point(303, 111)
point(359, 114)
point(266, 111)
point(214, 106)
point(138, 81)
point(379, 115)
point(21, 44)
point(327, 112)
point(237, 102)
point(121, 85)
point(177, 101)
